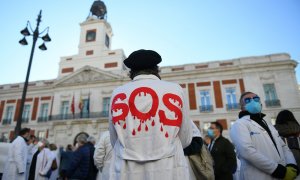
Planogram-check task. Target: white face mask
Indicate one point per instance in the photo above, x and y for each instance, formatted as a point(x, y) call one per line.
point(40, 144)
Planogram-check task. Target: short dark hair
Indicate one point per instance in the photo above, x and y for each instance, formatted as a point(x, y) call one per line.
point(32, 136)
point(218, 126)
point(24, 131)
point(153, 71)
point(69, 147)
point(244, 94)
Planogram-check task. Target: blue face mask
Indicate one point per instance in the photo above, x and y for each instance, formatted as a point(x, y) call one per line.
point(210, 133)
point(253, 107)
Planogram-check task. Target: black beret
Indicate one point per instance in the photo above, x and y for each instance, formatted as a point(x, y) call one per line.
point(142, 59)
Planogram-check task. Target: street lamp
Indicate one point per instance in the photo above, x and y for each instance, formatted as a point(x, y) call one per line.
point(35, 34)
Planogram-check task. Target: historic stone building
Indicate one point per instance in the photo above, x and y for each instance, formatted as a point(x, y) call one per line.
point(78, 99)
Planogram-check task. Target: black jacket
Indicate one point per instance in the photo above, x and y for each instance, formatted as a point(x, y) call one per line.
point(92, 168)
point(224, 159)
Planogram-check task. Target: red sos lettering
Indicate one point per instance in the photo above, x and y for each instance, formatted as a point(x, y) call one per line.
point(143, 116)
point(119, 106)
point(171, 107)
point(135, 112)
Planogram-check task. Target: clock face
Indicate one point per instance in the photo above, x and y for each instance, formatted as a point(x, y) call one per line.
point(91, 35)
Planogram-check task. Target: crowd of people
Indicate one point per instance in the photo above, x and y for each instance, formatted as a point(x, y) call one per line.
point(151, 136)
point(33, 159)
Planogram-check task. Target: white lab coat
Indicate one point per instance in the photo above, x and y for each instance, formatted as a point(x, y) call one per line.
point(17, 160)
point(102, 156)
point(256, 151)
point(4, 149)
point(148, 143)
point(43, 163)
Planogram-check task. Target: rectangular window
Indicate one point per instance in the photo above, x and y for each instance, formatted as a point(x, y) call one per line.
point(8, 115)
point(85, 108)
point(231, 98)
point(90, 35)
point(41, 135)
point(26, 113)
point(105, 105)
point(106, 41)
point(205, 101)
point(44, 112)
point(64, 111)
point(271, 95)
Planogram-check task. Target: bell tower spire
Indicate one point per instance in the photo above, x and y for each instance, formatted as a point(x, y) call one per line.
point(94, 45)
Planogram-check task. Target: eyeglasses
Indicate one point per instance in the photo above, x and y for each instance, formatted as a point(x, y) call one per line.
point(255, 98)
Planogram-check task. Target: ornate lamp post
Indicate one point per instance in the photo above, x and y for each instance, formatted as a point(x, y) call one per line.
point(35, 34)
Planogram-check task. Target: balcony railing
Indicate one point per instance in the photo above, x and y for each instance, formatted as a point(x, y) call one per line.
point(43, 119)
point(6, 121)
point(25, 120)
point(233, 106)
point(206, 108)
point(79, 115)
point(272, 103)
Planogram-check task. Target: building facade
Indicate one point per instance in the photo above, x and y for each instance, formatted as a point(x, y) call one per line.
point(78, 99)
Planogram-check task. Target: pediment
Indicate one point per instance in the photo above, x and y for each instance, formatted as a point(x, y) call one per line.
point(87, 74)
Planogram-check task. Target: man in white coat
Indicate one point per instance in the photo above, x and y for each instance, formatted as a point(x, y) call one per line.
point(262, 152)
point(149, 124)
point(44, 160)
point(15, 167)
point(102, 156)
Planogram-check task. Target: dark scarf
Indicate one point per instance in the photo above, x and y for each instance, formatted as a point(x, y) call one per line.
point(258, 118)
point(26, 140)
point(33, 166)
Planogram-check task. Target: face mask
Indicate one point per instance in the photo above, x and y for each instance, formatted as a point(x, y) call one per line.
point(210, 133)
point(253, 107)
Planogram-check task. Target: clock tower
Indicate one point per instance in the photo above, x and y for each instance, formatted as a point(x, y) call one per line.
point(94, 45)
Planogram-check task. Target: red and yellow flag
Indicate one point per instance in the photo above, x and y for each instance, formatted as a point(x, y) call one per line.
point(80, 106)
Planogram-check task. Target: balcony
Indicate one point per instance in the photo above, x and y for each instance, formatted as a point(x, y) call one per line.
point(206, 108)
point(233, 106)
point(6, 121)
point(273, 103)
point(43, 119)
point(79, 116)
point(25, 120)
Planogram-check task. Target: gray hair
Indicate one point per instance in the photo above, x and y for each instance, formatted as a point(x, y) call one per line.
point(91, 139)
point(82, 138)
point(45, 141)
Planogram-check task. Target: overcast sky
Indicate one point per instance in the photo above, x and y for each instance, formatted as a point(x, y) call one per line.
point(181, 32)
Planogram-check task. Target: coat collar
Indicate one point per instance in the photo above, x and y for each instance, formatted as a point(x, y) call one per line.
point(248, 118)
point(145, 76)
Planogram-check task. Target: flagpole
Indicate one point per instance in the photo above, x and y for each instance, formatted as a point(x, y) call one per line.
point(50, 116)
point(88, 105)
point(80, 105)
point(73, 106)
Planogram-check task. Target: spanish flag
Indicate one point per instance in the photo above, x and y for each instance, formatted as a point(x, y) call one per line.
point(80, 106)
